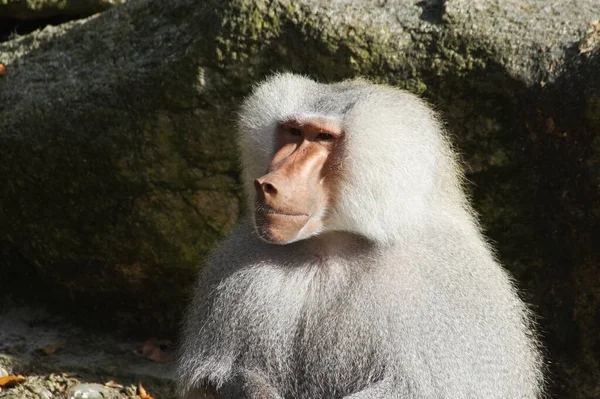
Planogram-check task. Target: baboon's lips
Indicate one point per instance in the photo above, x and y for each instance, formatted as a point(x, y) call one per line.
point(278, 227)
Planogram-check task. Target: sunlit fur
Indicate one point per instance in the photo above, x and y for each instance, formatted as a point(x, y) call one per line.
point(399, 295)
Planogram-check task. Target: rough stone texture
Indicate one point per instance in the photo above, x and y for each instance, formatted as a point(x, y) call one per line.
point(118, 169)
point(35, 9)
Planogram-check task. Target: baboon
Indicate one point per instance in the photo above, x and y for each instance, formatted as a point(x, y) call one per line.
point(361, 271)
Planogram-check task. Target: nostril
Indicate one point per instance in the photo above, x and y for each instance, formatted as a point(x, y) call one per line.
point(269, 188)
point(264, 187)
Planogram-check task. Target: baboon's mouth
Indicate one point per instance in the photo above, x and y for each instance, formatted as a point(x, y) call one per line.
point(263, 210)
point(277, 226)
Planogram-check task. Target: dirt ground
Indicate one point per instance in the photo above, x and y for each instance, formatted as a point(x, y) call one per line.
point(59, 359)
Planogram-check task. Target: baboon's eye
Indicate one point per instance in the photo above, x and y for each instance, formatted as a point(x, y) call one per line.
point(294, 131)
point(324, 136)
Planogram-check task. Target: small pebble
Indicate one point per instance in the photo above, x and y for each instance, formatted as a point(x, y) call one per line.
point(89, 391)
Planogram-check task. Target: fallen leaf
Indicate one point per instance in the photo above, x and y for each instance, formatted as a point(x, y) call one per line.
point(156, 350)
point(3, 69)
point(113, 384)
point(11, 380)
point(52, 348)
point(142, 392)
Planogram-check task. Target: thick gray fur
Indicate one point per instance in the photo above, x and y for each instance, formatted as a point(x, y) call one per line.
point(399, 297)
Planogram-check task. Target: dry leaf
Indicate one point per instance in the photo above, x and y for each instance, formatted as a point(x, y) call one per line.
point(142, 392)
point(113, 384)
point(52, 348)
point(155, 349)
point(11, 380)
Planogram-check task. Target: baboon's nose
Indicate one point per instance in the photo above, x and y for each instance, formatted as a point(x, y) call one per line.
point(265, 187)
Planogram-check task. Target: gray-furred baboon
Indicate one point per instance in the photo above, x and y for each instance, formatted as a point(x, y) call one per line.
point(362, 272)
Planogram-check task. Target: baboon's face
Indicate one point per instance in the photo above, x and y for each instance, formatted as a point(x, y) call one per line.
point(299, 184)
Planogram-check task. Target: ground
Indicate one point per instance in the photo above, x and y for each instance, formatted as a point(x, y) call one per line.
point(56, 356)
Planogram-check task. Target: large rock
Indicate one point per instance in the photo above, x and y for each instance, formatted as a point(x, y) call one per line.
point(119, 172)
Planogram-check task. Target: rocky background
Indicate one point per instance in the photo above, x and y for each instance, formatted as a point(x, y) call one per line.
point(118, 170)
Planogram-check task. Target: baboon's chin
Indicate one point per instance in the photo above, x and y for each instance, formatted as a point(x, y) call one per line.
point(279, 228)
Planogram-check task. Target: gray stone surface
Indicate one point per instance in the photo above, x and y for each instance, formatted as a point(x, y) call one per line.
point(118, 162)
point(90, 391)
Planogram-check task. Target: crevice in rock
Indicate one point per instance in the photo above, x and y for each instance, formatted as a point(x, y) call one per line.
point(10, 27)
point(433, 10)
